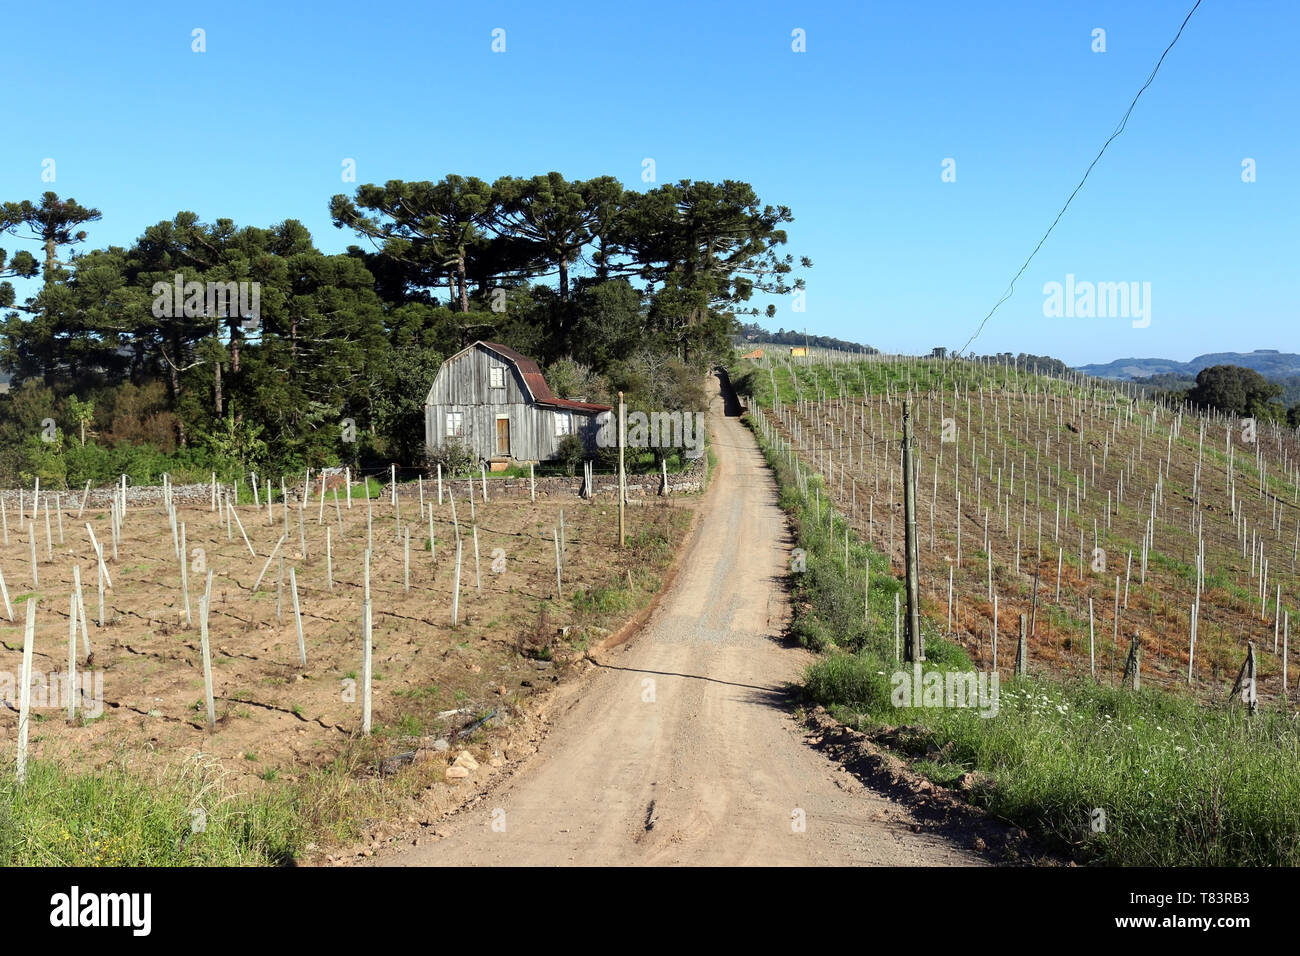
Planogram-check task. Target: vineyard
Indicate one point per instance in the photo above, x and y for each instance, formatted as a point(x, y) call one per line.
point(1092, 521)
point(273, 635)
point(1185, 524)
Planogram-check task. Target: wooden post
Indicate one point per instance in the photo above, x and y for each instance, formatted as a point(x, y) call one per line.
point(31, 535)
point(995, 632)
point(622, 477)
point(279, 591)
point(370, 520)
point(4, 519)
point(347, 480)
point(663, 462)
point(483, 471)
point(206, 650)
point(406, 560)
point(84, 495)
point(559, 584)
point(532, 488)
point(440, 484)
point(25, 690)
point(269, 558)
point(367, 642)
point(329, 561)
point(297, 617)
point(71, 679)
point(1245, 681)
point(302, 537)
point(58, 510)
point(185, 579)
point(242, 532)
point(1092, 644)
point(950, 570)
point(915, 650)
point(81, 609)
point(455, 587)
point(433, 546)
point(320, 512)
point(1022, 649)
point(49, 539)
point(9, 610)
point(478, 578)
point(397, 507)
point(1133, 666)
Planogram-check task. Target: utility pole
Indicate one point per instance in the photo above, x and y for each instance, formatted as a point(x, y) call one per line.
point(915, 647)
point(622, 486)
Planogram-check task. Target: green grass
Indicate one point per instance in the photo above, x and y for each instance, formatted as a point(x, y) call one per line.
point(111, 818)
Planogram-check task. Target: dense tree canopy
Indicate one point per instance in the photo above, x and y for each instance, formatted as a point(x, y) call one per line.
point(209, 344)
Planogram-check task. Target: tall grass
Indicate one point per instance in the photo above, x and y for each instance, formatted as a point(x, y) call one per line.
point(190, 817)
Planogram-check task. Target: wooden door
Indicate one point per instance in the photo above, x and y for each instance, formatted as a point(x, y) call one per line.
point(503, 437)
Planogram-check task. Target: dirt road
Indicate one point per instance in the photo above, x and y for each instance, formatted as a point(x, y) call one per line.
point(681, 749)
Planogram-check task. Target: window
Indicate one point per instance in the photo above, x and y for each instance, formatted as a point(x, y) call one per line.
point(562, 424)
point(455, 425)
point(497, 377)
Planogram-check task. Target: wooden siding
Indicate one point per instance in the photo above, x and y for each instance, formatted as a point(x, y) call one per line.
point(462, 386)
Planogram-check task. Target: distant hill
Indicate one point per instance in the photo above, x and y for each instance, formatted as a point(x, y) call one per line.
point(1270, 363)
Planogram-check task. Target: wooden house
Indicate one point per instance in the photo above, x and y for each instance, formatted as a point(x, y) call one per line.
point(797, 350)
point(497, 402)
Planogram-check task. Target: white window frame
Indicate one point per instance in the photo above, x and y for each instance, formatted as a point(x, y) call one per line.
point(497, 376)
point(563, 424)
point(455, 425)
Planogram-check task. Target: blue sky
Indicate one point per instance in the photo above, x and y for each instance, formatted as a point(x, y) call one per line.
point(851, 134)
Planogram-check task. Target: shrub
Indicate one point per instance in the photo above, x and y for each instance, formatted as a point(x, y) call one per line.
point(454, 455)
point(570, 452)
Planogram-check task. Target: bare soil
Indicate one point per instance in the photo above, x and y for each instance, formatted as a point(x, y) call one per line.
point(682, 746)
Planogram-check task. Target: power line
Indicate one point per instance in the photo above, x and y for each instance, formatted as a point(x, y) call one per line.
point(1119, 129)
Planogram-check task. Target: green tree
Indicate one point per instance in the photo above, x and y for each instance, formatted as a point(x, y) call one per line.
point(1237, 391)
point(423, 225)
point(35, 346)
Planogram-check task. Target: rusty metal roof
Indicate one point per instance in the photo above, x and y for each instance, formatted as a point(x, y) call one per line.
point(536, 384)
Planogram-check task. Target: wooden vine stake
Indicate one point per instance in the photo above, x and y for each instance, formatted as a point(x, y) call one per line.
point(185, 579)
point(1022, 649)
point(206, 650)
point(455, 588)
point(71, 680)
point(25, 691)
point(367, 636)
point(1245, 682)
point(1133, 666)
point(4, 590)
point(297, 617)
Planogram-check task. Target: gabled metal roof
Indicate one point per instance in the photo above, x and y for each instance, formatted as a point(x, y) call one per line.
point(534, 382)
